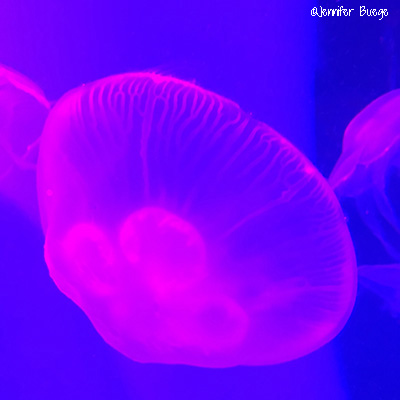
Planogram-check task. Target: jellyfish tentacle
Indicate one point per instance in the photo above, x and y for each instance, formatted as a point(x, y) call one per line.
point(385, 210)
point(364, 171)
point(384, 281)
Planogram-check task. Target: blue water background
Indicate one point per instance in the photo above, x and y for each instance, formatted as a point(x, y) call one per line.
point(306, 77)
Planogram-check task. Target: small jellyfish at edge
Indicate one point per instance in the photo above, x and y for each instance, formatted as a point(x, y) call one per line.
point(368, 173)
point(187, 231)
point(23, 110)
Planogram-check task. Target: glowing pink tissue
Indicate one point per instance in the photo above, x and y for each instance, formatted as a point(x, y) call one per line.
point(187, 231)
point(23, 110)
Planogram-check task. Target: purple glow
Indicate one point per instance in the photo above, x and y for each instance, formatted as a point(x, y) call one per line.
point(23, 109)
point(187, 231)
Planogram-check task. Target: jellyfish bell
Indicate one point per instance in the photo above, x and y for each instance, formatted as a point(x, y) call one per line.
point(23, 110)
point(368, 175)
point(371, 136)
point(187, 231)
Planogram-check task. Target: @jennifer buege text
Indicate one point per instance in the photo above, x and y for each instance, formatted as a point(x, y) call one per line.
point(341, 11)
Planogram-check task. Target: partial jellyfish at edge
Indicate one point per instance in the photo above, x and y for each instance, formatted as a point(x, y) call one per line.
point(368, 174)
point(187, 231)
point(23, 110)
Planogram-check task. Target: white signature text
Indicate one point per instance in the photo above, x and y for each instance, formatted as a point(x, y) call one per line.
point(348, 12)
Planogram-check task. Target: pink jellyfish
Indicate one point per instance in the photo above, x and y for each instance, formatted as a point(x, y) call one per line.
point(368, 171)
point(23, 110)
point(187, 231)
